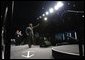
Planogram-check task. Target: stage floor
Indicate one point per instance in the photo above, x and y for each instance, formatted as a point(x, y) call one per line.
point(41, 53)
point(17, 52)
point(68, 49)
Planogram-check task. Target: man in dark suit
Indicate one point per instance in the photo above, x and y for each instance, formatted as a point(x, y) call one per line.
point(30, 34)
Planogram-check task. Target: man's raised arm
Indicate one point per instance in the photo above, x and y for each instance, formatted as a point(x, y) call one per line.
point(36, 25)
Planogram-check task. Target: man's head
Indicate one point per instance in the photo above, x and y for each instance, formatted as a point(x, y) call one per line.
point(30, 24)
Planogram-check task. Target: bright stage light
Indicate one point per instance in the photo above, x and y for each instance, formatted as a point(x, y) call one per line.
point(51, 10)
point(45, 18)
point(47, 13)
point(43, 15)
point(59, 4)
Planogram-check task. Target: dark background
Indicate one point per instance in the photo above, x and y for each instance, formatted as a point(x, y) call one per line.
point(28, 11)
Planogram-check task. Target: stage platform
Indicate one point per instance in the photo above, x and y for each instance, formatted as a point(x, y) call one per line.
point(66, 51)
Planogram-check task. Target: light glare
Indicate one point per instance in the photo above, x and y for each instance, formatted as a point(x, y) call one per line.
point(43, 14)
point(82, 15)
point(40, 16)
point(51, 10)
point(59, 4)
point(47, 13)
point(45, 18)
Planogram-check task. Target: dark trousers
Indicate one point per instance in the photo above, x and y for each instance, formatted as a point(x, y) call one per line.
point(30, 40)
